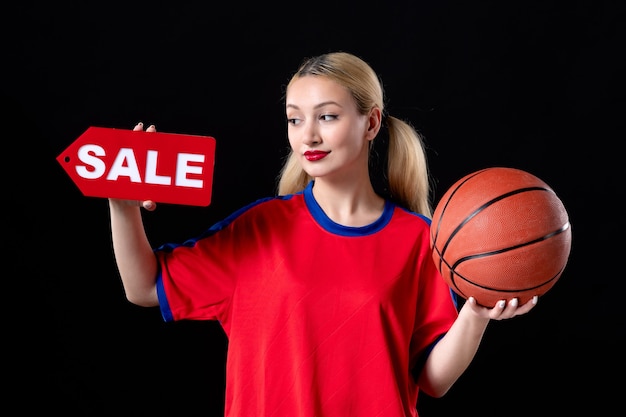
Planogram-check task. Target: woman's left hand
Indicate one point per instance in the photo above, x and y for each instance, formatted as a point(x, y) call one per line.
point(503, 309)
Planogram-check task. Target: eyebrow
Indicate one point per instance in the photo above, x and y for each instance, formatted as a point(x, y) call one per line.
point(317, 106)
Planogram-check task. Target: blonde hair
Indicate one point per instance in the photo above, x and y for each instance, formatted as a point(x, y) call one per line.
point(406, 175)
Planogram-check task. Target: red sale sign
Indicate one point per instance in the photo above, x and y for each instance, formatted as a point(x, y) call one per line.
point(138, 165)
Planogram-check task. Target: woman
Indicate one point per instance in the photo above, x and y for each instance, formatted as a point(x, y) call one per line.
point(327, 292)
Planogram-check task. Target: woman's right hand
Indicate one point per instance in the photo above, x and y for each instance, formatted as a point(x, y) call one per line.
point(146, 204)
point(149, 205)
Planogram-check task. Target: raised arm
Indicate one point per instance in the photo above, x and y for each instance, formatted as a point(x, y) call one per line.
point(455, 351)
point(135, 259)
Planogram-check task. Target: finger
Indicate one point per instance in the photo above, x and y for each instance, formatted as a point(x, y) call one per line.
point(513, 303)
point(510, 309)
point(138, 126)
point(481, 311)
point(523, 309)
point(149, 205)
point(498, 310)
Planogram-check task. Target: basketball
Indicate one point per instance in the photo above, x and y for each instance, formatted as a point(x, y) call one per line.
point(500, 233)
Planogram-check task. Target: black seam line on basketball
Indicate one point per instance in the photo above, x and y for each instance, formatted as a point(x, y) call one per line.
point(434, 238)
point(454, 273)
point(445, 206)
point(483, 207)
point(510, 248)
point(438, 257)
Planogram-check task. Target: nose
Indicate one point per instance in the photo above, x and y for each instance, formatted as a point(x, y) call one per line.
point(310, 134)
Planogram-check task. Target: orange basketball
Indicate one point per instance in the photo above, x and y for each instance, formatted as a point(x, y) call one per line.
point(500, 233)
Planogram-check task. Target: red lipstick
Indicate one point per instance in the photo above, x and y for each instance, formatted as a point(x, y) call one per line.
point(315, 155)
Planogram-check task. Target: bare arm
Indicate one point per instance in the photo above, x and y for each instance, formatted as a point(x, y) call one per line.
point(455, 351)
point(135, 259)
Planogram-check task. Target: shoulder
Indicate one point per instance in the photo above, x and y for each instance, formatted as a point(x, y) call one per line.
point(267, 206)
point(411, 216)
point(258, 215)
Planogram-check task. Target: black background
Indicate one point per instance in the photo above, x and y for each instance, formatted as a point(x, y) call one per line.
point(536, 85)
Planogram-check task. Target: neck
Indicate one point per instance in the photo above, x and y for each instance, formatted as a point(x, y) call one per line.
point(349, 203)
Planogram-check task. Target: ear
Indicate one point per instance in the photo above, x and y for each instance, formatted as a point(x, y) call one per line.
point(374, 121)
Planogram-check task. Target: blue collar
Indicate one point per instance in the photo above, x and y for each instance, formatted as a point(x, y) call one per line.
point(323, 220)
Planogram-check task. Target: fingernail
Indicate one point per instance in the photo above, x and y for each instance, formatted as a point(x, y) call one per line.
point(535, 299)
point(471, 300)
point(514, 302)
point(140, 124)
point(501, 303)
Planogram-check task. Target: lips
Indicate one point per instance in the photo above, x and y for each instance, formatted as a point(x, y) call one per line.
point(315, 155)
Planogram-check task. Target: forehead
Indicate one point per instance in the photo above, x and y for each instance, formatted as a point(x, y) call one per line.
point(312, 90)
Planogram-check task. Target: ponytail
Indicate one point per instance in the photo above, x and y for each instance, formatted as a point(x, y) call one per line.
point(407, 170)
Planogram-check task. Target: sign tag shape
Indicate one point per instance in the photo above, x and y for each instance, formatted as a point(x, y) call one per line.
point(137, 165)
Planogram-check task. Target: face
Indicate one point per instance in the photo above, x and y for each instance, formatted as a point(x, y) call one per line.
point(326, 132)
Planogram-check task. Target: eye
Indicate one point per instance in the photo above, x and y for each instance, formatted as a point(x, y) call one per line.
point(328, 117)
point(293, 121)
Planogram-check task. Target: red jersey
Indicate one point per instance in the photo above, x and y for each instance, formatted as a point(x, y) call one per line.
point(322, 320)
